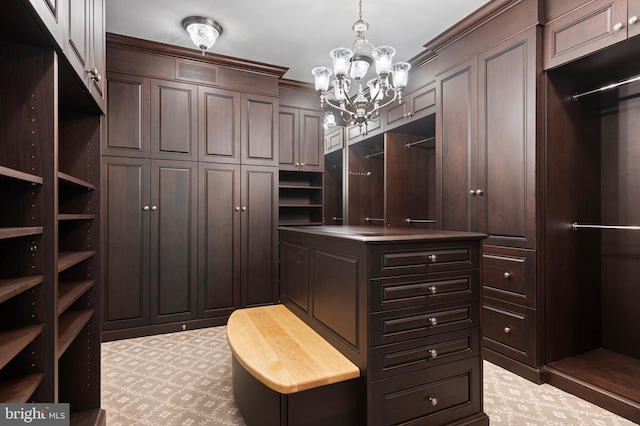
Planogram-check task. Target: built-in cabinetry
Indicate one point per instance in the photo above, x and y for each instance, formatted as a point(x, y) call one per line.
point(190, 182)
point(50, 287)
point(401, 304)
point(592, 238)
point(333, 200)
point(301, 155)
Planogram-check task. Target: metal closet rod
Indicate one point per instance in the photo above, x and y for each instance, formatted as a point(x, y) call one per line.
point(577, 226)
point(409, 220)
point(603, 88)
point(377, 154)
point(371, 219)
point(410, 144)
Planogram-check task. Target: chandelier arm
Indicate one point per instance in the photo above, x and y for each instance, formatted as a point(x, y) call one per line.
point(389, 102)
point(339, 108)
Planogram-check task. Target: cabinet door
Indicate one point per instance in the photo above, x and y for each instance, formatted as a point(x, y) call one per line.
point(456, 153)
point(52, 15)
point(219, 135)
point(311, 151)
point(96, 66)
point(173, 236)
point(259, 132)
point(219, 239)
point(599, 24)
point(127, 116)
point(507, 141)
point(259, 239)
point(289, 135)
point(77, 43)
point(633, 18)
point(126, 217)
point(174, 120)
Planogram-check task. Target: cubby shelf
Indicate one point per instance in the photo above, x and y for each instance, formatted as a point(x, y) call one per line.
point(10, 287)
point(68, 180)
point(18, 391)
point(12, 342)
point(76, 216)
point(67, 259)
point(14, 232)
point(69, 292)
point(69, 326)
point(9, 174)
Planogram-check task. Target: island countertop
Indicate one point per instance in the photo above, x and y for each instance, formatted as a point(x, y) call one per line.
point(370, 234)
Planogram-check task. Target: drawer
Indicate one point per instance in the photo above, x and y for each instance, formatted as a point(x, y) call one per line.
point(510, 275)
point(510, 330)
point(419, 354)
point(411, 323)
point(435, 396)
point(404, 292)
point(406, 259)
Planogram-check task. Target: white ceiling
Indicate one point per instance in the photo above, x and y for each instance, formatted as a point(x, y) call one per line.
point(297, 34)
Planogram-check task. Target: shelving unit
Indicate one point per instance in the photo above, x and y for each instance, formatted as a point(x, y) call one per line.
point(300, 198)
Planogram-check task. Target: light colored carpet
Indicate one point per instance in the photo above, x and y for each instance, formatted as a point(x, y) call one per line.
point(184, 379)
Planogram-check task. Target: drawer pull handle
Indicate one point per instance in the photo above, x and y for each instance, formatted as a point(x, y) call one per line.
point(433, 289)
point(433, 401)
point(433, 353)
point(433, 258)
point(507, 275)
point(433, 321)
point(507, 330)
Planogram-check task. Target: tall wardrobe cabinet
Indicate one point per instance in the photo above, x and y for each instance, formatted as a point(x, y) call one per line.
point(50, 287)
point(190, 172)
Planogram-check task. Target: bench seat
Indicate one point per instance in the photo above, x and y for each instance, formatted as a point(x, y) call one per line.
point(284, 373)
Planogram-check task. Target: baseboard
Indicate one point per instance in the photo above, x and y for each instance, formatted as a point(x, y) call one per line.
point(150, 330)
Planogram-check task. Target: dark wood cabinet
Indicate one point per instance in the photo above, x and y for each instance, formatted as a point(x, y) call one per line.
point(301, 139)
point(50, 271)
point(84, 44)
point(590, 27)
point(415, 105)
point(219, 125)
point(333, 139)
point(259, 130)
point(404, 306)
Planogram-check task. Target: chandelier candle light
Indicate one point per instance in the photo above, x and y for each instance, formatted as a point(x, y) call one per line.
point(353, 64)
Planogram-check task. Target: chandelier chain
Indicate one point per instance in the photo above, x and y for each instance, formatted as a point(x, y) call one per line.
point(361, 10)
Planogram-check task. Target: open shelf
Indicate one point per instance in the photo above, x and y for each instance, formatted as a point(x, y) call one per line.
point(89, 417)
point(69, 292)
point(10, 287)
point(12, 342)
point(8, 174)
point(15, 232)
point(69, 258)
point(68, 180)
point(18, 391)
point(76, 216)
point(69, 326)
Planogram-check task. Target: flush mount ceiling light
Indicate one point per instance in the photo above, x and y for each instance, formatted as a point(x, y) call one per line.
point(360, 107)
point(203, 31)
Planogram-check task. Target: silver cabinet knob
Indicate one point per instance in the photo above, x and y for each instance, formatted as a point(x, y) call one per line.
point(237, 208)
point(433, 258)
point(432, 401)
point(154, 208)
point(507, 275)
point(301, 164)
point(472, 192)
point(145, 208)
point(507, 330)
point(617, 27)
point(433, 289)
point(433, 353)
point(244, 208)
point(478, 191)
point(633, 20)
point(95, 75)
point(433, 321)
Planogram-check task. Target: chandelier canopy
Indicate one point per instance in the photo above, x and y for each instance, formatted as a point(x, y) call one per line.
point(350, 67)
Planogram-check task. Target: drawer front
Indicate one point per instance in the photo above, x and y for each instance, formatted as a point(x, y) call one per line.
point(510, 275)
point(405, 292)
point(419, 354)
point(423, 258)
point(510, 330)
point(403, 324)
point(435, 397)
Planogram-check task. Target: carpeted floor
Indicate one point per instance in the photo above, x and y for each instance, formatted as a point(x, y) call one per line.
point(184, 379)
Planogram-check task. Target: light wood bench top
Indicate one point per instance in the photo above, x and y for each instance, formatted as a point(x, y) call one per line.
point(284, 353)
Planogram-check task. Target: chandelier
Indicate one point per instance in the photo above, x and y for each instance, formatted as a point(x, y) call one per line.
point(350, 67)
point(203, 31)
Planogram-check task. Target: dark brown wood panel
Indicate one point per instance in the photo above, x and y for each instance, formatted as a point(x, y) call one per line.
point(219, 125)
point(295, 275)
point(259, 132)
point(174, 120)
point(219, 239)
point(311, 140)
point(289, 132)
point(510, 274)
point(259, 240)
point(126, 241)
point(173, 274)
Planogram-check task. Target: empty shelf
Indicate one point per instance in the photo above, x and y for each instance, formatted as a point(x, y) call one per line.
point(69, 326)
point(10, 287)
point(18, 391)
point(15, 340)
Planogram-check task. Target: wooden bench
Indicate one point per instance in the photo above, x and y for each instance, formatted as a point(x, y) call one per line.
point(284, 373)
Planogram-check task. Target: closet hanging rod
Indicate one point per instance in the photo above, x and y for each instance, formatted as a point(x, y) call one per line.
point(371, 219)
point(410, 144)
point(577, 226)
point(337, 165)
point(409, 220)
point(337, 218)
point(602, 89)
point(377, 154)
